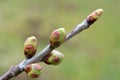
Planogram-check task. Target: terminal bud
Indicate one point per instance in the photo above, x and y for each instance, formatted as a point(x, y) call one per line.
point(94, 16)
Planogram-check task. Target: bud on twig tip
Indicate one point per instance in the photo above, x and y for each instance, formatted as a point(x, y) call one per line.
point(94, 16)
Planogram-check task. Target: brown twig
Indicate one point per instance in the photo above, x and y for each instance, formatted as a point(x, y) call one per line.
point(16, 70)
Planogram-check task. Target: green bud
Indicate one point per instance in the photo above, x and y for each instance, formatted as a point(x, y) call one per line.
point(54, 58)
point(94, 16)
point(57, 37)
point(33, 70)
point(30, 47)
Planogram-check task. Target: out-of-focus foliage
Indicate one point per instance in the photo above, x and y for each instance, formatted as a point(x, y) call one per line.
point(94, 54)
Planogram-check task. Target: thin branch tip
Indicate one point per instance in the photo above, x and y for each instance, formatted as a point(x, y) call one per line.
point(86, 23)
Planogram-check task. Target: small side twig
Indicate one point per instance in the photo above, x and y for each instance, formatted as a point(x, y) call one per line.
point(16, 70)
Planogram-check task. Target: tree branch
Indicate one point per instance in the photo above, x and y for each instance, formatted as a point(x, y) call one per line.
point(17, 69)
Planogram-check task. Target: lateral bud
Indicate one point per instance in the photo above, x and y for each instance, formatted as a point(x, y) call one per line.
point(54, 58)
point(30, 47)
point(33, 70)
point(57, 37)
point(94, 16)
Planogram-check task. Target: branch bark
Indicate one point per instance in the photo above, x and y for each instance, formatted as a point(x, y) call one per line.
point(17, 69)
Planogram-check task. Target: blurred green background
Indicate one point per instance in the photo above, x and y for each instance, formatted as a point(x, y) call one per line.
point(94, 54)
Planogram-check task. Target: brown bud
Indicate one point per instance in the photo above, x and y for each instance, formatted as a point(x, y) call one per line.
point(33, 70)
point(30, 47)
point(54, 58)
point(57, 37)
point(94, 16)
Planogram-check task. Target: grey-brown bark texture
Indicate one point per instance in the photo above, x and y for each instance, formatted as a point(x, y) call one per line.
point(17, 69)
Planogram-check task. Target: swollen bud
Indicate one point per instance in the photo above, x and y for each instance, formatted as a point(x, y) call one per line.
point(30, 47)
point(94, 16)
point(33, 70)
point(57, 37)
point(54, 58)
